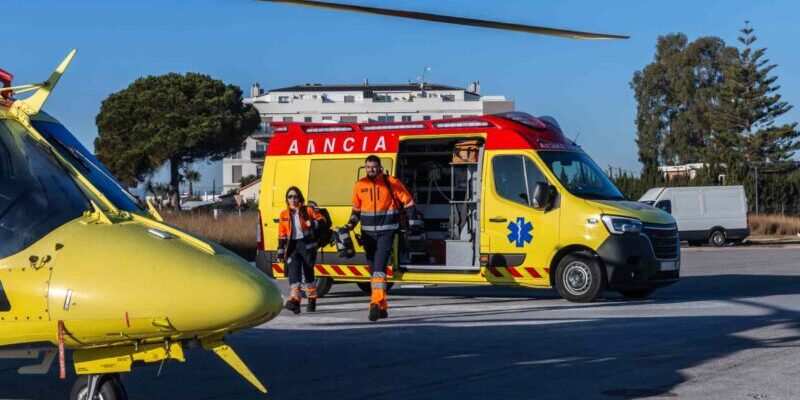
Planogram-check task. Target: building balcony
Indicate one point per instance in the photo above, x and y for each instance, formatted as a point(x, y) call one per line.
point(257, 156)
point(262, 134)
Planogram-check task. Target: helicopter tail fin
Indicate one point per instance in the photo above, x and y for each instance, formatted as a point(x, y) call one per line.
point(34, 103)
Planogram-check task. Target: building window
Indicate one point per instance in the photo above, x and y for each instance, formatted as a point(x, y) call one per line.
point(468, 115)
point(236, 156)
point(328, 118)
point(448, 97)
point(349, 99)
point(426, 117)
point(261, 146)
point(266, 119)
point(350, 119)
point(382, 98)
point(307, 119)
point(259, 171)
point(288, 119)
point(386, 118)
point(405, 118)
point(283, 99)
point(236, 173)
point(447, 116)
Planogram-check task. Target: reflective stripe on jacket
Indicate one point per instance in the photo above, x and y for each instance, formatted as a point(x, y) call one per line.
point(286, 228)
point(377, 208)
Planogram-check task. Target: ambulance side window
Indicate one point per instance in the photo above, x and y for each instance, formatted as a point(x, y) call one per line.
point(515, 178)
point(37, 195)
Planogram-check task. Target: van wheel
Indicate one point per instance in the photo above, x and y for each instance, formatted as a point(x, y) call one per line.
point(717, 238)
point(579, 278)
point(637, 293)
point(323, 285)
point(366, 287)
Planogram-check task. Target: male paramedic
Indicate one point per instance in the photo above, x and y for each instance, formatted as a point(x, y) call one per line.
point(378, 201)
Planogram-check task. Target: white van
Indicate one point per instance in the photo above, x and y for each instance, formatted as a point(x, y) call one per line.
point(712, 214)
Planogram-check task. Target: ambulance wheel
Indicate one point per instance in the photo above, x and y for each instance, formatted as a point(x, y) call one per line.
point(323, 285)
point(366, 287)
point(579, 278)
point(108, 388)
point(637, 293)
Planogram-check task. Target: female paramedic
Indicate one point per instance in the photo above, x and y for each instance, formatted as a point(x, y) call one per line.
point(298, 248)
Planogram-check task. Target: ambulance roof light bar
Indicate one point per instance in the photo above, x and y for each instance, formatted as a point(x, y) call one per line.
point(327, 129)
point(462, 124)
point(388, 127)
point(279, 128)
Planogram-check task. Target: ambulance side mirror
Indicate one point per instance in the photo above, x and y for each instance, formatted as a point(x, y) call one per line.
point(541, 195)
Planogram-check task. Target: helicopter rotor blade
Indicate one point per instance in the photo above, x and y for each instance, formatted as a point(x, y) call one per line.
point(508, 26)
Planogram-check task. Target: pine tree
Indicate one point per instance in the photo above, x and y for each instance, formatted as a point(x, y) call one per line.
point(745, 133)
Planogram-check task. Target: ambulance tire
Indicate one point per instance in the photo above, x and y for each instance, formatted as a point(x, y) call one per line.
point(323, 285)
point(366, 287)
point(580, 278)
point(109, 388)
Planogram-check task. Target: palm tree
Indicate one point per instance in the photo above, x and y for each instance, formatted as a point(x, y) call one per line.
point(191, 176)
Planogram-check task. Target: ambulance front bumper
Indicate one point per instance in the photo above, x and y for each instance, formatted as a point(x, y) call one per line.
point(647, 260)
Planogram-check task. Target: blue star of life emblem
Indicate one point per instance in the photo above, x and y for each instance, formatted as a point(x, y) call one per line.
point(520, 232)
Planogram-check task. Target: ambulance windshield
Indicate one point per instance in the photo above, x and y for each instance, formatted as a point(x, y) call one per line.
point(70, 148)
point(580, 175)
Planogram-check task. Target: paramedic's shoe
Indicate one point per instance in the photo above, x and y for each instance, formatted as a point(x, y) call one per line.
point(312, 305)
point(293, 306)
point(383, 313)
point(374, 312)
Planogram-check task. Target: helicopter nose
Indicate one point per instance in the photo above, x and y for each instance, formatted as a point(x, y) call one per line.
point(252, 297)
point(235, 295)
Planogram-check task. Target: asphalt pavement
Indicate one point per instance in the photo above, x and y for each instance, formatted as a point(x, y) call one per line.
point(730, 329)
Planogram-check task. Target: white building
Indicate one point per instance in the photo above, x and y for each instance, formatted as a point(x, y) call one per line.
point(353, 103)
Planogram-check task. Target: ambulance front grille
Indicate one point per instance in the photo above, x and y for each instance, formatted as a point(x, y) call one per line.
point(664, 239)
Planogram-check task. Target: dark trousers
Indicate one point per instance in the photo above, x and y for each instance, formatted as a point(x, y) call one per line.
point(378, 248)
point(299, 264)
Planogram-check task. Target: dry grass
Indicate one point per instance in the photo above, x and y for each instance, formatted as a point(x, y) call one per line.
point(236, 233)
point(774, 225)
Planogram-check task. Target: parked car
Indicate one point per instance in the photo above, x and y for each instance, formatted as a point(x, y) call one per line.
point(713, 214)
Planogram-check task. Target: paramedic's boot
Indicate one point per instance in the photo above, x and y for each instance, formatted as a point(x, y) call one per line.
point(374, 312)
point(312, 305)
point(293, 305)
point(383, 313)
point(311, 295)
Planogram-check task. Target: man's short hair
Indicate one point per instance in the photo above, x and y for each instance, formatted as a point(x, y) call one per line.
point(373, 158)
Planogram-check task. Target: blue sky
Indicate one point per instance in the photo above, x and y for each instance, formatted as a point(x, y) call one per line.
point(584, 84)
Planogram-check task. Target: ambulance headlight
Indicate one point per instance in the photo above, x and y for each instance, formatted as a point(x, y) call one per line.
point(620, 225)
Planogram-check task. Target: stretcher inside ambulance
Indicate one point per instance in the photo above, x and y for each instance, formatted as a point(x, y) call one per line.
point(503, 199)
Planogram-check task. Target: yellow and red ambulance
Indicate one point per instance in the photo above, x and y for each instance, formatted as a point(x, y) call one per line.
point(505, 199)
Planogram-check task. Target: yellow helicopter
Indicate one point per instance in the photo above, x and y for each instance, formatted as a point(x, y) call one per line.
point(84, 267)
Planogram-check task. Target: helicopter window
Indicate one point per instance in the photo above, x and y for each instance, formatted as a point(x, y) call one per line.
point(36, 194)
point(97, 173)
